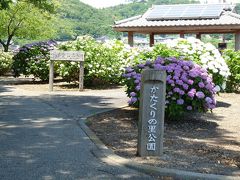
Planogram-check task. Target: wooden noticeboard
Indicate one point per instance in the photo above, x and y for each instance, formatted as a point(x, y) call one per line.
point(56, 55)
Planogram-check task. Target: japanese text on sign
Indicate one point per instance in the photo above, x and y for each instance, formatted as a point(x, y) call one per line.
point(66, 55)
point(152, 122)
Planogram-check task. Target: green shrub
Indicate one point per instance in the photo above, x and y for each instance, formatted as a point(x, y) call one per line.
point(233, 61)
point(5, 62)
point(33, 59)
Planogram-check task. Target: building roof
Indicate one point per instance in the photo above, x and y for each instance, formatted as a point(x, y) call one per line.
point(226, 21)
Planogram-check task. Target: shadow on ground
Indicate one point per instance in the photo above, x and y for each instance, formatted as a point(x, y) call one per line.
point(193, 144)
point(40, 138)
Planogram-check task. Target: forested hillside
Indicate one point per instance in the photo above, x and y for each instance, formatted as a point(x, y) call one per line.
point(81, 19)
point(84, 19)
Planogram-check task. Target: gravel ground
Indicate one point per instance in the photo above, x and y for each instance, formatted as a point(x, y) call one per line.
point(207, 143)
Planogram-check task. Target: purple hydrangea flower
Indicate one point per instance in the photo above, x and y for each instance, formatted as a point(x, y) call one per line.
point(129, 69)
point(136, 81)
point(133, 94)
point(132, 100)
point(186, 68)
point(159, 60)
point(176, 89)
point(179, 82)
point(211, 106)
point(138, 88)
point(204, 76)
point(180, 101)
point(128, 75)
point(209, 100)
point(209, 80)
point(148, 63)
point(141, 66)
point(133, 73)
point(176, 77)
point(191, 93)
point(200, 94)
point(190, 82)
point(181, 92)
point(201, 85)
point(168, 77)
point(158, 66)
point(193, 74)
point(170, 81)
point(209, 86)
point(189, 108)
point(185, 86)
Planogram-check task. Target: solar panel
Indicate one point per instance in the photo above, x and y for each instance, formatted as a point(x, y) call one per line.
point(185, 11)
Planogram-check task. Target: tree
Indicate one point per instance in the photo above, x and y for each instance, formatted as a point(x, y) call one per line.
point(24, 20)
point(49, 5)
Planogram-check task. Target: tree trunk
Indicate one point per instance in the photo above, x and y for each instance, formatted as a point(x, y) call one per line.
point(5, 48)
point(7, 44)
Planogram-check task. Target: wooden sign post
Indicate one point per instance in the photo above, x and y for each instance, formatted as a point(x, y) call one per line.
point(56, 55)
point(151, 113)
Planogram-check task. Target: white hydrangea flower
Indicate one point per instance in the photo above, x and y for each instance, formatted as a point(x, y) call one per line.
point(208, 56)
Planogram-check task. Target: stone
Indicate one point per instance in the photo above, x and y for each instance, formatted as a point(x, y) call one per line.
point(151, 113)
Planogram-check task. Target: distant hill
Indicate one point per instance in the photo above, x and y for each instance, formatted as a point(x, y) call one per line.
point(83, 19)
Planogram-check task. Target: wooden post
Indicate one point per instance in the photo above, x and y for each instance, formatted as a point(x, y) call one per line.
point(151, 113)
point(151, 37)
point(130, 38)
point(199, 36)
point(81, 74)
point(51, 75)
point(237, 41)
point(181, 35)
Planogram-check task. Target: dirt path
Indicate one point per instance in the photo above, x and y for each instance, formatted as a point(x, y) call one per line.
point(201, 143)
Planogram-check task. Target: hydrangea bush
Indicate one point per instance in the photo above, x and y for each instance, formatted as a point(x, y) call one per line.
point(204, 54)
point(189, 87)
point(104, 62)
point(5, 62)
point(33, 59)
point(233, 61)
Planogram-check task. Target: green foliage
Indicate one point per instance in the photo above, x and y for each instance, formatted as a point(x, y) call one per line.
point(5, 62)
point(24, 20)
point(48, 5)
point(233, 61)
point(103, 62)
point(33, 59)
